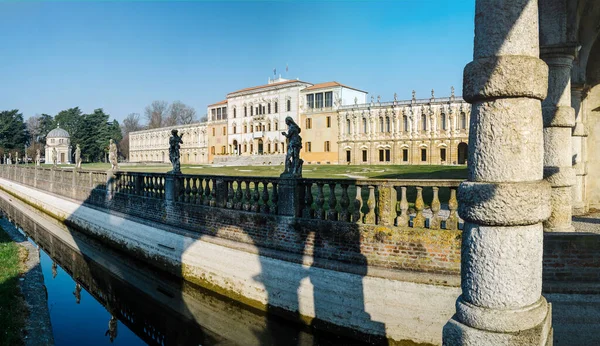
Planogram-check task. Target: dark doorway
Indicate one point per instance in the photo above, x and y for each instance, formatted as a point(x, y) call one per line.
point(463, 152)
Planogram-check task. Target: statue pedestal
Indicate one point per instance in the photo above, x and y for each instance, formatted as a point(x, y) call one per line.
point(289, 196)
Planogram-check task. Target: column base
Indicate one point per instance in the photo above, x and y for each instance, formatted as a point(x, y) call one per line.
point(456, 333)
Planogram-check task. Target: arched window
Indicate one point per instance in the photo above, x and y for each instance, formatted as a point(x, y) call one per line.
point(234, 112)
point(387, 125)
point(269, 127)
point(289, 105)
point(276, 126)
point(364, 121)
point(245, 111)
point(245, 129)
point(234, 129)
point(381, 125)
point(405, 123)
point(348, 126)
point(276, 110)
point(423, 122)
point(443, 121)
point(463, 121)
point(269, 108)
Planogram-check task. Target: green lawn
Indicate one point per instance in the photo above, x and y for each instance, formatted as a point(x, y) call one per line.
point(309, 171)
point(12, 306)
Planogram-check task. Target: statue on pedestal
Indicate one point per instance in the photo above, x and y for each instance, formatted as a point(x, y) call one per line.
point(174, 145)
point(9, 159)
point(112, 156)
point(293, 162)
point(37, 157)
point(78, 157)
point(54, 157)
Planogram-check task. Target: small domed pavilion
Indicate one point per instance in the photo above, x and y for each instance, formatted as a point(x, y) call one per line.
point(59, 139)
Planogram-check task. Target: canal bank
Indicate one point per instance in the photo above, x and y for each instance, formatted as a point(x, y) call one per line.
point(38, 328)
point(372, 304)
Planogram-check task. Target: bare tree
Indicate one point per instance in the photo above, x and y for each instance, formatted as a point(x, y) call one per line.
point(34, 128)
point(156, 113)
point(131, 123)
point(181, 114)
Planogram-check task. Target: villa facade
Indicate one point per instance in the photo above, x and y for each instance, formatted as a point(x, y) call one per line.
point(152, 146)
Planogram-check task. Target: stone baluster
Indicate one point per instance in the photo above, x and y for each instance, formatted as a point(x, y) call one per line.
point(274, 199)
point(419, 220)
point(370, 216)
point(332, 213)
point(230, 195)
point(207, 191)
point(357, 214)
point(247, 197)
point(255, 199)
point(194, 196)
point(265, 198)
point(320, 202)
point(452, 220)
point(434, 223)
point(505, 198)
point(344, 204)
point(308, 211)
point(200, 196)
point(188, 189)
point(239, 196)
point(402, 220)
point(213, 193)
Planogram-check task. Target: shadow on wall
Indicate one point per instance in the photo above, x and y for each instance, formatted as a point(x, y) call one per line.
point(287, 291)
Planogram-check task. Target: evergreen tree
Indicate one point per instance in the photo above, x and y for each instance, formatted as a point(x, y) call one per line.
point(13, 132)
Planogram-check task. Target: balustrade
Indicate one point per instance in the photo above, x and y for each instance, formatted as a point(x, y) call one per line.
point(401, 203)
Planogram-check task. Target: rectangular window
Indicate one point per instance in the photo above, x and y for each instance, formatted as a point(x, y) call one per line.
point(224, 113)
point(245, 148)
point(276, 126)
point(319, 100)
point(234, 130)
point(269, 108)
point(251, 111)
point(387, 155)
point(308, 123)
point(245, 111)
point(348, 156)
point(264, 110)
point(381, 155)
point(308, 148)
point(224, 130)
point(364, 153)
point(218, 113)
point(326, 146)
point(234, 112)
point(213, 113)
point(329, 99)
point(223, 150)
point(276, 107)
point(405, 155)
point(289, 105)
point(423, 155)
point(245, 130)
point(328, 121)
point(443, 154)
point(310, 101)
point(251, 128)
point(214, 132)
point(276, 147)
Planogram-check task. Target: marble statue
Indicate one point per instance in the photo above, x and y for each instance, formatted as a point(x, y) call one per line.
point(78, 157)
point(112, 156)
point(293, 162)
point(174, 145)
point(37, 157)
point(414, 95)
point(54, 157)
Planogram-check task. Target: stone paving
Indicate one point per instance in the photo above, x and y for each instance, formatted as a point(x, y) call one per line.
point(588, 223)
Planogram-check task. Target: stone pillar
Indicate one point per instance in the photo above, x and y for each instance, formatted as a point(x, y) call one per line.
point(505, 198)
point(578, 139)
point(387, 198)
point(290, 195)
point(559, 119)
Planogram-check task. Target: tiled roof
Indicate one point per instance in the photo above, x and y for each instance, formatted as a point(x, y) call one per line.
point(329, 85)
point(218, 103)
point(266, 86)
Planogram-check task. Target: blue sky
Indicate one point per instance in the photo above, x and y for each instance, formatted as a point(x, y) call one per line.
point(120, 56)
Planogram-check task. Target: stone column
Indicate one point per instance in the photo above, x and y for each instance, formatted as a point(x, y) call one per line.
point(579, 155)
point(505, 198)
point(559, 119)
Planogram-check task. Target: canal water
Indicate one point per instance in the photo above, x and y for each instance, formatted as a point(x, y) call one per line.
point(97, 296)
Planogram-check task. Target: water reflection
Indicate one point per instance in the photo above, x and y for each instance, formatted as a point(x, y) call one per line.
point(110, 298)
